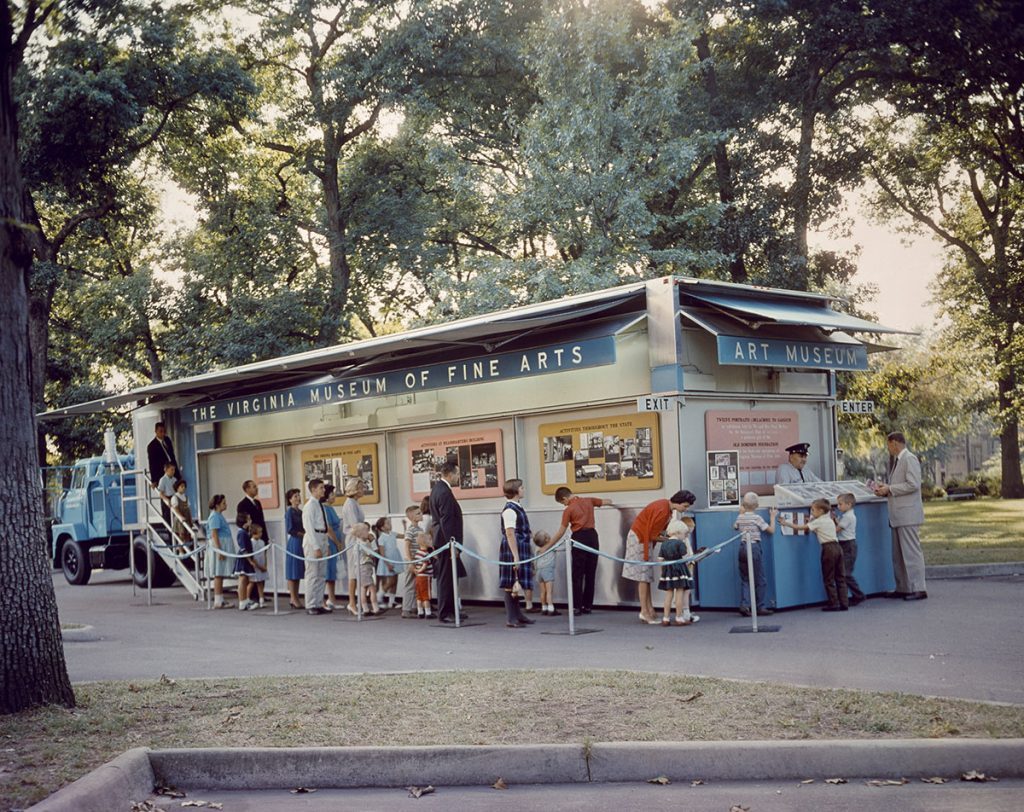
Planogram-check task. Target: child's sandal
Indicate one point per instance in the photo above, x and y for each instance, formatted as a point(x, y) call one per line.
point(665, 622)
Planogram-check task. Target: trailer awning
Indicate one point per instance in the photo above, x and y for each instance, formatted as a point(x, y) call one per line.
point(765, 310)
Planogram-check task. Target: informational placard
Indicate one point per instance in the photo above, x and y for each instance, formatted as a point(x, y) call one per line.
point(760, 437)
point(479, 455)
point(337, 463)
point(604, 454)
point(723, 478)
point(264, 474)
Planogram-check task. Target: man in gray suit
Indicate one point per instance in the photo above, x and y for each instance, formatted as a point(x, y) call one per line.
point(906, 515)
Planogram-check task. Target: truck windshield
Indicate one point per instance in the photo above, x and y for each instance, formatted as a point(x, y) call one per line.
point(78, 478)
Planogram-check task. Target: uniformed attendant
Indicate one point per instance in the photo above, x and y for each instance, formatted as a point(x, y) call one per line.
point(793, 471)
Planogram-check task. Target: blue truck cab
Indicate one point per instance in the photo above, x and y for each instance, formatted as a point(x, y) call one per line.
point(89, 518)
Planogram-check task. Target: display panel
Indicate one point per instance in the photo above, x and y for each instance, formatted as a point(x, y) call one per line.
point(723, 478)
point(479, 455)
point(336, 463)
point(604, 454)
point(760, 437)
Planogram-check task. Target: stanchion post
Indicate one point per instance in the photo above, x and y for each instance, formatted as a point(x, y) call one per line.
point(455, 582)
point(359, 578)
point(149, 566)
point(568, 585)
point(273, 573)
point(753, 586)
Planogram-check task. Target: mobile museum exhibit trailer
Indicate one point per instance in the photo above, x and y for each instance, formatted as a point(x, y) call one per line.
point(631, 393)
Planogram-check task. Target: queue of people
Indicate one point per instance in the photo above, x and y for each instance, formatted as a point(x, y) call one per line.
point(390, 570)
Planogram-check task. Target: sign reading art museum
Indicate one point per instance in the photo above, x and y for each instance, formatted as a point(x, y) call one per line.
point(565, 357)
point(778, 352)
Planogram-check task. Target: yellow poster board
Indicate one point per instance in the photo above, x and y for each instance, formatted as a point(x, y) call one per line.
point(604, 454)
point(337, 463)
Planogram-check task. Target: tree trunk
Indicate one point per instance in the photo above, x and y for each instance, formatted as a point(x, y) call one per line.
point(731, 243)
point(1012, 486)
point(32, 667)
point(337, 297)
point(800, 192)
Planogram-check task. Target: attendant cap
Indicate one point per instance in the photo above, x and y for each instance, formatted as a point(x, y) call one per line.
point(798, 448)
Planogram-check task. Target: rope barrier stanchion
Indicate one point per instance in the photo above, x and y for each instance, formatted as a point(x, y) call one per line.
point(359, 585)
point(149, 567)
point(455, 582)
point(753, 628)
point(568, 587)
point(272, 561)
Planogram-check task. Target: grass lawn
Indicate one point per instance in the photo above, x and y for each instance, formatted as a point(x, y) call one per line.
point(975, 531)
point(47, 748)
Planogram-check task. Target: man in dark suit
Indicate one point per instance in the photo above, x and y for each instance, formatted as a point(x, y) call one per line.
point(446, 516)
point(251, 506)
point(160, 451)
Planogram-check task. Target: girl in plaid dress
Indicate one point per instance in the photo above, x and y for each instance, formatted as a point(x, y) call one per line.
point(514, 548)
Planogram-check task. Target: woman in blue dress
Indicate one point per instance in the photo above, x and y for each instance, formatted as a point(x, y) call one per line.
point(334, 523)
point(218, 566)
point(294, 566)
point(515, 549)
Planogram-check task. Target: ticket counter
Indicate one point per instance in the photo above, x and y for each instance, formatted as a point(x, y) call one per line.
point(792, 563)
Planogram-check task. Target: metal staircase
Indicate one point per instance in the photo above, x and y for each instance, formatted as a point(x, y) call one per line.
point(161, 540)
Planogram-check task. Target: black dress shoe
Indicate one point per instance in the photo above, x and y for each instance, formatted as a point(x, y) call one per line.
point(577, 612)
point(915, 596)
point(317, 610)
point(586, 611)
point(515, 625)
point(831, 608)
point(856, 601)
point(766, 611)
point(463, 616)
point(554, 612)
point(445, 620)
point(894, 595)
point(526, 621)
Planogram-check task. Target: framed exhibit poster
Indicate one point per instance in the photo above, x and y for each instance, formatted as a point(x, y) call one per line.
point(336, 463)
point(479, 455)
point(723, 478)
point(606, 454)
point(760, 437)
point(264, 474)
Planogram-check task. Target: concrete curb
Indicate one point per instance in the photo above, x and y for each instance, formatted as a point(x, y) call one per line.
point(939, 572)
point(343, 767)
point(132, 775)
point(129, 777)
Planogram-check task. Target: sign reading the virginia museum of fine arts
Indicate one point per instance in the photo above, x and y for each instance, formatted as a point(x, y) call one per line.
point(778, 352)
point(571, 355)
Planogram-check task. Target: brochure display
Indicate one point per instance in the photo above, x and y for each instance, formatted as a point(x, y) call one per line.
point(336, 464)
point(797, 494)
point(605, 455)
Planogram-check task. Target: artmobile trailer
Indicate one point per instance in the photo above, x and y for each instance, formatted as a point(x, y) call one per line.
point(631, 392)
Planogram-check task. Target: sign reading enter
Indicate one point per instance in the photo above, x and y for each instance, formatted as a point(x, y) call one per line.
point(857, 406)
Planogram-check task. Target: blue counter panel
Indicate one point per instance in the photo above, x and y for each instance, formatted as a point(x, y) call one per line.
point(792, 563)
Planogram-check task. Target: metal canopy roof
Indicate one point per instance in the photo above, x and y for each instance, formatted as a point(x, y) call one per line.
point(493, 330)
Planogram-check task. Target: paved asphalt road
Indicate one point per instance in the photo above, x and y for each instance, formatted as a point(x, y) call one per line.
point(966, 640)
point(787, 796)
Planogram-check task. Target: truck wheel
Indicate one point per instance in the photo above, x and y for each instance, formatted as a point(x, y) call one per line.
point(162, 575)
point(74, 560)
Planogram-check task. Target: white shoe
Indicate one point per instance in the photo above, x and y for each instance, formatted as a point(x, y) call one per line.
point(243, 606)
point(330, 607)
point(252, 605)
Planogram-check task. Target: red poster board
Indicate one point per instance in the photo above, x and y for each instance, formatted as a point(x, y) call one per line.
point(760, 437)
point(264, 474)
